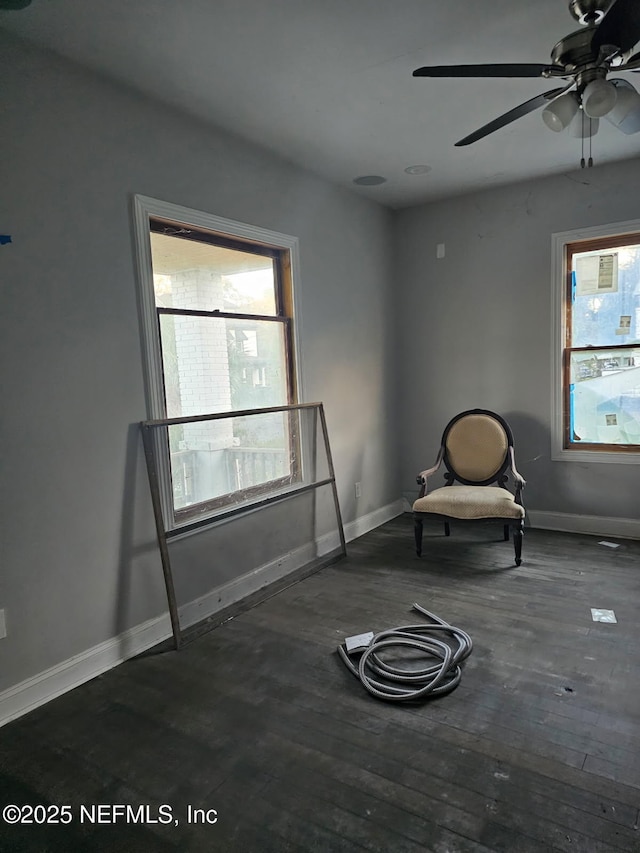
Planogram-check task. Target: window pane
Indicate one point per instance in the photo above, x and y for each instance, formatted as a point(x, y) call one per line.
point(217, 364)
point(605, 396)
point(202, 277)
point(212, 459)
point(606, 306)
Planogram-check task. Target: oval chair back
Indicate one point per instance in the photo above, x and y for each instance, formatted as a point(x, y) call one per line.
point(476, 447)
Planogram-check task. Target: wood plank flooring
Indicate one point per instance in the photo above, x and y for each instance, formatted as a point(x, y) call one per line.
point(538, 749)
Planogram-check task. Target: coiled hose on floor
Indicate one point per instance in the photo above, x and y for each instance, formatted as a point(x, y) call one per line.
point(403, 684)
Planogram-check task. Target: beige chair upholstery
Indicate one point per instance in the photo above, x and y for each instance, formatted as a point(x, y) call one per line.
point(477, 451)
point(471, 502)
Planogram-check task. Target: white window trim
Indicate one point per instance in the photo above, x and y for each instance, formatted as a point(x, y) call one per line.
point(558, 280)
point(144, 209)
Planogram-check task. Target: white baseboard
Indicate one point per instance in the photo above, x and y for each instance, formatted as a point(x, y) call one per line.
point(596, 525)
point(41, 688)
point(372, 520)
point(239, 588)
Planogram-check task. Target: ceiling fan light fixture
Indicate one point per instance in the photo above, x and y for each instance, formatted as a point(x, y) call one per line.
point(599, 98)
point(560, 112)
point(626, 113)
point(583, 126)
point(589, 12)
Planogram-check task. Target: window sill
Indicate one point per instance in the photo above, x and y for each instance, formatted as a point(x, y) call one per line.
point(562, 455)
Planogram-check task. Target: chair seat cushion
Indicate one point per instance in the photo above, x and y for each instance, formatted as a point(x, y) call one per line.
point(470, 502)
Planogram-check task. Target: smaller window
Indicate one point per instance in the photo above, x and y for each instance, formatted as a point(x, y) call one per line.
point(601, 358)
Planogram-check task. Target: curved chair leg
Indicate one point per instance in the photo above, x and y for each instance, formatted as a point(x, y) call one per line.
point(517, 541)
point(447, 529)
point(506, 533)
point(417, 532)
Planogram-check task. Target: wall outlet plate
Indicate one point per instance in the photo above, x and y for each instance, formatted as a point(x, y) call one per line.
point(3, 625)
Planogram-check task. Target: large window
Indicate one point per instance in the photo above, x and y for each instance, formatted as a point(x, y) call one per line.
point(217, 315)
point(599, 365)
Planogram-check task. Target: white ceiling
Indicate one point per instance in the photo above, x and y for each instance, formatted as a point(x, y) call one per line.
point(327, 83)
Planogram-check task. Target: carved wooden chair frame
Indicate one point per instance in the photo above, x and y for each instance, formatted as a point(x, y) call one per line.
point(500, 477)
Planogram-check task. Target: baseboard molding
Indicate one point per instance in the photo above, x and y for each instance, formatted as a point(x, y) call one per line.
point(239, 588)
point(42, 688)
point(45, 686)
point(374, 519)
point(595, 525)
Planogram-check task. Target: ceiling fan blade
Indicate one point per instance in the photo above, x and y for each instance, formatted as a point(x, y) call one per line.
point(513, 115)
point(517, 69)
point(632, 64)
point(620, 27)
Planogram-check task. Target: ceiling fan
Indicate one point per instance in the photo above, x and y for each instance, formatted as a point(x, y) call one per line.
point(611, 30)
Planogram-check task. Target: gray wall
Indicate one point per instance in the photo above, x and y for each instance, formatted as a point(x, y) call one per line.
point(79, 559)
point(475, 326)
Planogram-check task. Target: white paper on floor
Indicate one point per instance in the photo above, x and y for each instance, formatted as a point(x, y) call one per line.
point(599, 615)
point(609, 544)
point(358, 641)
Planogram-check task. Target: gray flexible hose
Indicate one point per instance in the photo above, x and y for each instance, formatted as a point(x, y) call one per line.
point(408, 684)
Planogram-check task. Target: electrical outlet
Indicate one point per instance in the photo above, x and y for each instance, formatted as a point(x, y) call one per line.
point(358, 490)
point(3, 625)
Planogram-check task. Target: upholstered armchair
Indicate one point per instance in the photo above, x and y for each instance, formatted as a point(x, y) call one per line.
point(477, 452)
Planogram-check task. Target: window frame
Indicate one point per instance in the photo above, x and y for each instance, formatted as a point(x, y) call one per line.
point(593, 238)
point(239, 235)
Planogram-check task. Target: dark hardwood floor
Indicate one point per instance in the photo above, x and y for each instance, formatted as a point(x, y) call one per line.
point(538, 749)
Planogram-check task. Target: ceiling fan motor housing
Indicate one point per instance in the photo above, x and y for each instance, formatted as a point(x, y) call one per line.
point(574, 51)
